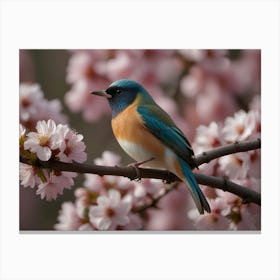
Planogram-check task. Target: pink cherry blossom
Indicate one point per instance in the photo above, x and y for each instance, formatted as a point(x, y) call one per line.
point(110, 211)
point(94, 183)
point(214, 220)
point(207, 138)
point(241, 126)
point(86, 227)
point(108, 158)
point(59, 142)
point(219, 103)
point(41, 142)
point(68, 218)
point(34, 107)
point(244, 220)
point(148, 64)
point(28, 175)
point(120, 65)
point(22, 130)
point(172, 211)
point(135, 222)
point(81, 73)
point(255, 164)
point(55, 185)
point(161, 220)
point(82, 205)
point(193, 55)
point(210, 70)
point(191, 84)
point(50, 141)
point(150, 187)
point(79, 99)
point(71, 147)
point(138, 190)
point(242, 216)
point(81, 193)
point(98, 184)
point(80, 66)
point(215, 63)
point(30, 97)
point(212, 79)
point(229, 198)
point(235, 166)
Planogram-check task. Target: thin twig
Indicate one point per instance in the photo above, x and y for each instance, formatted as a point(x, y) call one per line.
point(154, 201)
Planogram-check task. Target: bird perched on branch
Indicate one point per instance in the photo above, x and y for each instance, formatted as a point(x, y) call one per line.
point(148, 134)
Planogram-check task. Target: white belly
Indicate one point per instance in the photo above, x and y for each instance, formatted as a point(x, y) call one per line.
point(139, 154)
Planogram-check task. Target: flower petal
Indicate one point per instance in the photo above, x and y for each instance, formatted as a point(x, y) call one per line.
point(114, 197)
point(104, 223)
point(44, 153)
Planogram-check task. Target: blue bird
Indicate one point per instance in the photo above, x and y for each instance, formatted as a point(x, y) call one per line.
point(145, 131)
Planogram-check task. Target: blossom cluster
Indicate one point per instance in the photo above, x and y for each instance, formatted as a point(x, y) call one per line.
point(219, 81)
point(181, 81)
point(49, 141)
point(96, 69)
point(107, 202)
point(228, 211)
point(34, 107)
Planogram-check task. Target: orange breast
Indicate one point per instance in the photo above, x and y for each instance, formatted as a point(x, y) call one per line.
point(128, 126)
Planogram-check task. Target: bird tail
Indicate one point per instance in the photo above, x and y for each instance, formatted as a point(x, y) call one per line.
point(197, 194)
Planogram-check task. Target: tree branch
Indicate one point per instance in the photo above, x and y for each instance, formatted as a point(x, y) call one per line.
point(236, 147)
point(133, 173)
point(246, 194)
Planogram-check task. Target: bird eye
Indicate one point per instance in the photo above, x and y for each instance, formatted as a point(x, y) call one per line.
point(118, 91)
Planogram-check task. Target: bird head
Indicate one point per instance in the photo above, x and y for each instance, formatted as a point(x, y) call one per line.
point(123, 93)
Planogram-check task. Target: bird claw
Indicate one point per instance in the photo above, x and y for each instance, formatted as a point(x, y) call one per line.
point(138, 173)
point(136, 166)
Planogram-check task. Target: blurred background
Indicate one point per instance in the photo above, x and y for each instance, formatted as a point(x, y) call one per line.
point(196, 87)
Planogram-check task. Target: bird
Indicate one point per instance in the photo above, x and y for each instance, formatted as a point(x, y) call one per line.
point(149, 135)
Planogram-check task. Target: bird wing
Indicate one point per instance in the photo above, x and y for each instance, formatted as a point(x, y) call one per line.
point(159, 123)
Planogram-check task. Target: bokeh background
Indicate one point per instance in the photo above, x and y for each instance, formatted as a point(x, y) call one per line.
point(196, 87)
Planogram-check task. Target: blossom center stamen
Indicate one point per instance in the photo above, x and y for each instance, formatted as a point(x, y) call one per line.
point(237, 160)
point(109, 212)
point(43, 140)
point(25, 102)
point(240, 129)
point(67, 151)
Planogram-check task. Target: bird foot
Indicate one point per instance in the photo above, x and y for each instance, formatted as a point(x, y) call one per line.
point(136, 166)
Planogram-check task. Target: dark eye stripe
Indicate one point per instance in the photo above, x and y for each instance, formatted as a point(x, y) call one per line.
point(113, 90)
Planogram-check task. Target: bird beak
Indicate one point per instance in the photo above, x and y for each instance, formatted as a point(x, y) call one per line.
point(101, 93)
